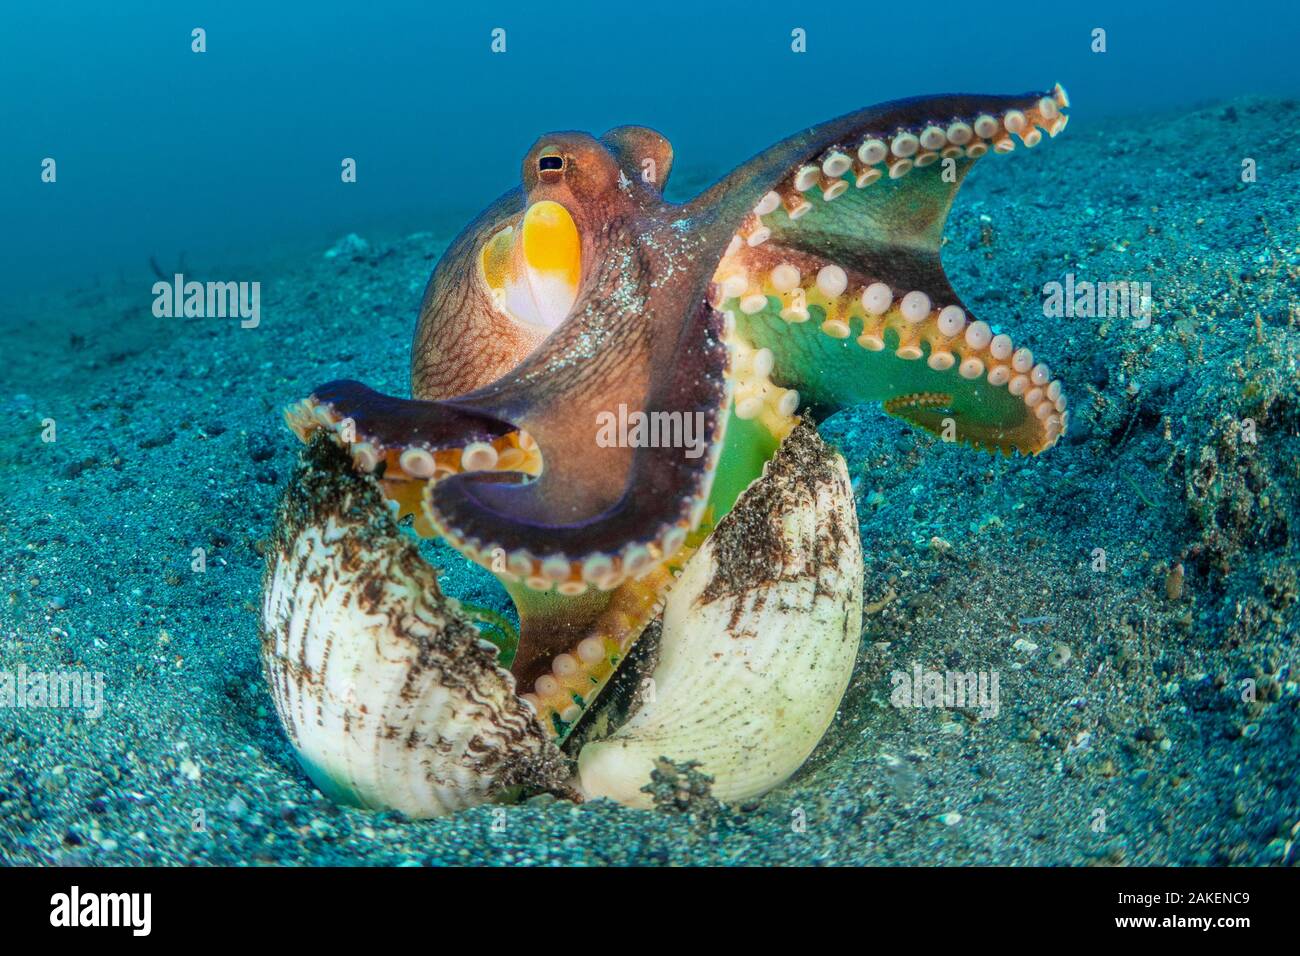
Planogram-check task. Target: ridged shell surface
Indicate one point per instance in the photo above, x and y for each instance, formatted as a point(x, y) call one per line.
point(388, 695)
point(760, 634)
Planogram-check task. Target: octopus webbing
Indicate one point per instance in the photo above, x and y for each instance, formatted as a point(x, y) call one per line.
point(807, 280)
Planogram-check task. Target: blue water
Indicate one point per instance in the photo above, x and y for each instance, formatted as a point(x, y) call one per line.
point(223, 155)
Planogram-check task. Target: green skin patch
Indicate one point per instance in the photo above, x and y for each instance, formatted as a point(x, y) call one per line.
point(747, 447)
point(496, 628)
point(832, 373)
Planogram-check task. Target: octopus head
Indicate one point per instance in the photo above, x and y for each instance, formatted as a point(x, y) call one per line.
point(534, 267)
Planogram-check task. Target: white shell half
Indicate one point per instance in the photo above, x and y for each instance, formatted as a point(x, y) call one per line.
point(760, 633)
point(389, 697)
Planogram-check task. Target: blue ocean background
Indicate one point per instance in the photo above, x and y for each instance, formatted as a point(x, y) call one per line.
point(225, 154)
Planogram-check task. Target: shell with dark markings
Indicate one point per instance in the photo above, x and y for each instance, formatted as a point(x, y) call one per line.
point(389, 696)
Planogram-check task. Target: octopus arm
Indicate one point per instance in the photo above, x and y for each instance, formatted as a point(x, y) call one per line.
point(835, 275)
point(652, 461)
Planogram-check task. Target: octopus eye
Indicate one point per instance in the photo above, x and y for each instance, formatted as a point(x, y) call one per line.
point(550, 165)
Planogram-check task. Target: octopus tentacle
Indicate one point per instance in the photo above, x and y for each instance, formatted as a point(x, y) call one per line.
point(845, 298)
point(884, 142)
point(571, 645)
point(411, 440)
point(829, 336)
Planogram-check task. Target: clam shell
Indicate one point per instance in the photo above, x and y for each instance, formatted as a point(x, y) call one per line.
point(392, 701)
point(388, 695)
point(759, 638)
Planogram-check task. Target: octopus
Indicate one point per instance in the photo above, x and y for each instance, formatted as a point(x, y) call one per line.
point(598, 374)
